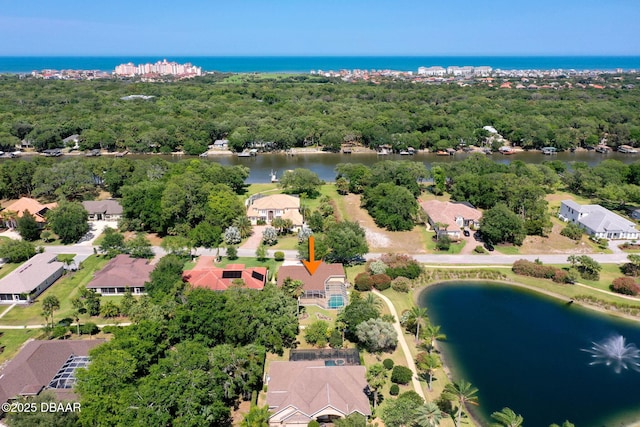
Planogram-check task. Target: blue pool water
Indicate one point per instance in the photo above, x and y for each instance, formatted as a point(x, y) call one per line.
point(336, 301)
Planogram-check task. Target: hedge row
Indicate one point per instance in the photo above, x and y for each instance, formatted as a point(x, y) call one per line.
point(534, 269)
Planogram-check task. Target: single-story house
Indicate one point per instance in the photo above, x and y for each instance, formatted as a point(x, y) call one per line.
point(220, 144)
point(120, 273)
point(45, 365)
point(598, 221)
point(16, 209)
point(266, 208)
point(103, 210)
point(325, 288)
point(451, 218)
point(26, 282)
point(206, 275)
point(300, 392)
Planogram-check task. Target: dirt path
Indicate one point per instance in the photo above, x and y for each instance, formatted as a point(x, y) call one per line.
point(403, 343)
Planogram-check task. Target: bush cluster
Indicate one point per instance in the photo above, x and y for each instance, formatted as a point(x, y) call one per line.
point(363, 282)
point(401, 265)
point(401, 284)
point(388, 364)
point(394, 390)
point(534, 269)
point(401, 375)
point(479, 249)
point(381, 281)
point(625, 285)
point(278, 256)
point(572, 231)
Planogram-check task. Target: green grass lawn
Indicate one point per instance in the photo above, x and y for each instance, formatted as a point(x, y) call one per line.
point(330, 191)
point(430, 243)
point(65, 289)
point(12, 339)
point(286, 243)
point(508, 249)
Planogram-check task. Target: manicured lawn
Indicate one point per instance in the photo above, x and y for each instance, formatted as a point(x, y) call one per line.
point(271, 188)
point(508, 249)
point(286, 243)
point(455, 248)
point(65, 289)
point(13, 339)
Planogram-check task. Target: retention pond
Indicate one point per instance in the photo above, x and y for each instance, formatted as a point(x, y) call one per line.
point(546, 359)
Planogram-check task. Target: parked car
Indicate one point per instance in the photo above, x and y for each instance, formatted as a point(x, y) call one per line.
point(466, 232)
point(489, 246)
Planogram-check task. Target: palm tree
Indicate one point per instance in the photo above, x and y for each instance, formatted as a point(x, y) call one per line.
point(377, 378)
point(417, 315)
point(243, 225)
point(49, 305)
point(373, 301)
point(256, 417)
point(428, 363)
point(427, 415)
point(433, 334)
point(463, 393)
point(506, 418)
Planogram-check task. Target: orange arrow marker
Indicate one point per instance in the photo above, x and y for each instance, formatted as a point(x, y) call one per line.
point(311, 265)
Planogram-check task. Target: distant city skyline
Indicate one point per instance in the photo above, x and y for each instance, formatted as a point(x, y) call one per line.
point(292, 28)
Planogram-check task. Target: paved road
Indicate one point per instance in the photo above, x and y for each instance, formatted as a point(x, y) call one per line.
point(434, 259)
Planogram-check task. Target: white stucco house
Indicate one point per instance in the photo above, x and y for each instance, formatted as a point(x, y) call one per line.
point(266, 208)
point(598, 221)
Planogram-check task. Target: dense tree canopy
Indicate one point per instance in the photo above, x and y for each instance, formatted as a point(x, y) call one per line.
point(69, 221)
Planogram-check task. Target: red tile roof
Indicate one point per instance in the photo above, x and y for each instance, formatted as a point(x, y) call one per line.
point(34, 207)
point(313, 282)
point(207, 275)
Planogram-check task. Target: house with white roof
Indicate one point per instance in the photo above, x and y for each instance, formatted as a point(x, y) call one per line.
point(598, 221)
point(26, 282)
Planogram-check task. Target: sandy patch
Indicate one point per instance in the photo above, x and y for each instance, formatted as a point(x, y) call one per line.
point(376, 240)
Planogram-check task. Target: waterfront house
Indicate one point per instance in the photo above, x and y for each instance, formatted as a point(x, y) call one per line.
point(266, 208)
point(45, 365)
point(206, 275)
point(120, 273)
point(325, 288)
point(448, 218)
point(301, 392)
point(25, 283)
point(103, 210)
point(598, 221)
point(16, 209)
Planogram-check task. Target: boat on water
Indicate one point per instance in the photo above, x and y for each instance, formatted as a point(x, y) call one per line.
point(602, 149)
point(382, 152)
point(549, 151)
point(627, 149)
point(404, 153)
point(93, 153)
point(506, 150)
point(205, 154)
point(274, 177)
point(248, 153)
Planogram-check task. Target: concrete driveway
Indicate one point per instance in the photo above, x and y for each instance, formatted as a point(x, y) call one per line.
point(95, 230)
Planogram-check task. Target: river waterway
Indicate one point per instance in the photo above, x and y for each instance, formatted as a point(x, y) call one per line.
point(532, 353)
point(324, 164)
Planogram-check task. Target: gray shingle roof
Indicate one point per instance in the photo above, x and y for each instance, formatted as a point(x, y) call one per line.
point(29, 275)
point(109, 207)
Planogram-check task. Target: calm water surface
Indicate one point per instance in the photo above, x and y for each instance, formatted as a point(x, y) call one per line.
point(525, 351)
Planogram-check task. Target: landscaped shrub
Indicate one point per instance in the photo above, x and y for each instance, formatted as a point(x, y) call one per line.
point(572, 231)
point(536, 269)
point(401, 375)
point(401, 284)
point(381, 281)
point(278, 256)
point(394, 390)
point(388, 364)
point(479, 249)
point(232, 252)
point(401, 265)
point(89, 328)
point(335, 339)
point(313, 423)
point(59, 331)
point(625, 285)
point(377, 267)
point(443, 243)
point(363, 282)
point(630, 269)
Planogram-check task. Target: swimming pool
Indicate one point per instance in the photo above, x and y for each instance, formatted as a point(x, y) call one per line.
point(335, 301)
point(334, 362)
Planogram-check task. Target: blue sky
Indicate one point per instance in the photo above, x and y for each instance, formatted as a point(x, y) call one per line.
point(330, 27)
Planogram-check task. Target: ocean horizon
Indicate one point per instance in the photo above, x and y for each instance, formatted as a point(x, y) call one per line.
point(305, 64)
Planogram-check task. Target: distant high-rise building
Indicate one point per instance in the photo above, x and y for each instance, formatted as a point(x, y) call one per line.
point(163, 68)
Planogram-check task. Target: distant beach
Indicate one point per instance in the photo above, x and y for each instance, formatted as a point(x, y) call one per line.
point(305, 64)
